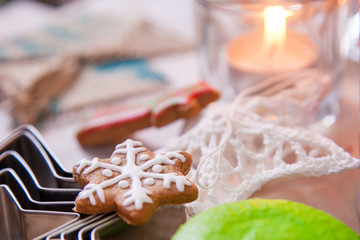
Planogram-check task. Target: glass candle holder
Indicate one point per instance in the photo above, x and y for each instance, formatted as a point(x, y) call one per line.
point(243, 43)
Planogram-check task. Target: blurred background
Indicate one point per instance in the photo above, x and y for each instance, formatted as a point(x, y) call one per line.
point(60, 61)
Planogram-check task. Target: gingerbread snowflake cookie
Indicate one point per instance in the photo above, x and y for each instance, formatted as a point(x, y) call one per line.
point(134, 182)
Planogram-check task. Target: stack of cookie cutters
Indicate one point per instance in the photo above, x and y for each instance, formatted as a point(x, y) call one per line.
point(37, 195)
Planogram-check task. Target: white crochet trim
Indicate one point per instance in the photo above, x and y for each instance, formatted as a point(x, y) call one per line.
point(239, 147)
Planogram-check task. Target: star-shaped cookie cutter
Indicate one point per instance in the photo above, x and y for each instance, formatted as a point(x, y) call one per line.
point(41, 194)
point(18, 223)
point(25, 140)
point(13, 160)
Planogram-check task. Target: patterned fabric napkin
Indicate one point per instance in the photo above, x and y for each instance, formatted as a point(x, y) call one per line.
point(95, 37)
point(28, 87)
point(111, 81)
point(96, 47)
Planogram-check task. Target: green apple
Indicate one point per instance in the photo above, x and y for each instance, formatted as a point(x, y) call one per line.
point(264, 219)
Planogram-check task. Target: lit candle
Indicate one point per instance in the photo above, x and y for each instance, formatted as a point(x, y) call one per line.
point(272, 49)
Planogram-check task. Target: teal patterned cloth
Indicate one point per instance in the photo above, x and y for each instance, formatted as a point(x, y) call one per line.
point(94, 37)
point(112, 53)
point(107, 82)
point(74, 35)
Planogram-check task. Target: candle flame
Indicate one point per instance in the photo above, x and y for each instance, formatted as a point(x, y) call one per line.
point(274, 29)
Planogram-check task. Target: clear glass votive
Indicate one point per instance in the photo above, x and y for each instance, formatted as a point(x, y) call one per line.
point(245, 42)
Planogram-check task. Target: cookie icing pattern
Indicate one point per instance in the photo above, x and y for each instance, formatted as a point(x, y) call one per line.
point(139, 175)
point(114, 123)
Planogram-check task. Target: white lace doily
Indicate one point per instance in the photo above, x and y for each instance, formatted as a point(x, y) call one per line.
point(240, 146)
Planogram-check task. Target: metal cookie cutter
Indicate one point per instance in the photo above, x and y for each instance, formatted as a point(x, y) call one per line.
point(18, 223)
point(24, 141)
point(91, 227)
point(34, 187)
point(39, 138)
point(75, 224)
point(11, 159)
point(12, 180)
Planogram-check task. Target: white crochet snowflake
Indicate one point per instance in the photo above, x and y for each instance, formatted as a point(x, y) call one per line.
point(140, 176)
point(240, 146)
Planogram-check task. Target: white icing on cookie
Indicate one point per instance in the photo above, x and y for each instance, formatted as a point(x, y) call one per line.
point(137, 194)
point(93, 188)
point(123, 184)
point(114, 118)
point(149, 181)
point(116, 160)
point(157, 168)
point(107, 173)
point(144, 157)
